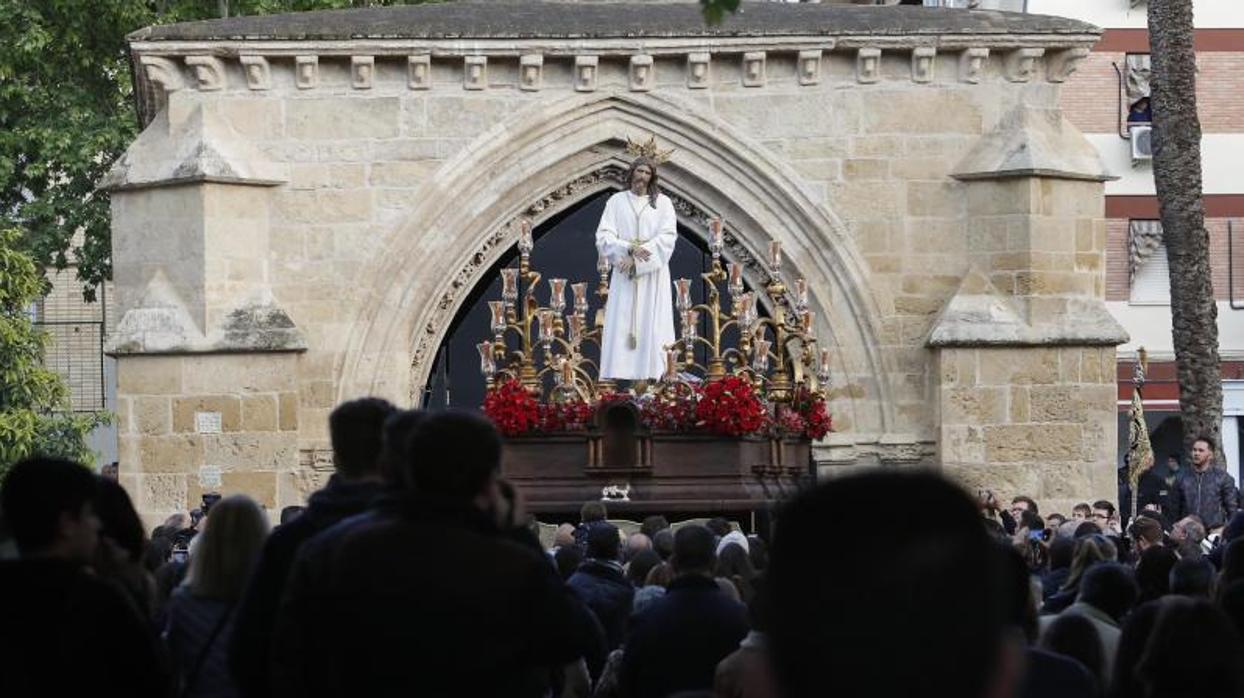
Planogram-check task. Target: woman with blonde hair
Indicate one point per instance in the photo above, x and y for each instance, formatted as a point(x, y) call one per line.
point(200, 613)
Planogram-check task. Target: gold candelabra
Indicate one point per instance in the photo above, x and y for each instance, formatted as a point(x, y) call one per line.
point(777, 354)
point(545, 327)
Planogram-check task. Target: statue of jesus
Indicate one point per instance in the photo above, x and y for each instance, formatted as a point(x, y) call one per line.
point(636, 234)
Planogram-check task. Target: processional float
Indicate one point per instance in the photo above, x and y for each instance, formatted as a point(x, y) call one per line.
point(728, 427)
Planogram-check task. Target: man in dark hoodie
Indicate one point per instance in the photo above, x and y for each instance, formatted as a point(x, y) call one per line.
point(355, 429)
point(435, 597)
point(602, 585)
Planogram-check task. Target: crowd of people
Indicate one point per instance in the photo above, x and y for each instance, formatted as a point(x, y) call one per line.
point(417, 571)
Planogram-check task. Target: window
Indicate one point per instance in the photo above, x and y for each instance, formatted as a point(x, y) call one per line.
point(1150, 274)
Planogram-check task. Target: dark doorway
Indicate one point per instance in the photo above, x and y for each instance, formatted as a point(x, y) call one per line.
point(565, 248)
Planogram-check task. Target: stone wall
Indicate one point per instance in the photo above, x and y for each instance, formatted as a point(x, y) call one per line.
point(302, 217)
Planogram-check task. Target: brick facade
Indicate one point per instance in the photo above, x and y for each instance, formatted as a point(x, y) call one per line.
point(1089, 99)
point(1117, 281)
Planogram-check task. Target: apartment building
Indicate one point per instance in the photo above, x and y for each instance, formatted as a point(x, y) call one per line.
point(1106, 99)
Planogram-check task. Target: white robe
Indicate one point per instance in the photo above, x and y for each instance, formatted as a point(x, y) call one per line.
point(644, 305)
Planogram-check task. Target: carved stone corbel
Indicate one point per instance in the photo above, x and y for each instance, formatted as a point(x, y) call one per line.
point(697, 70)
point(1061, 64)
point(419, 71)
point(362, 72)
point(642, 73)
point(306, 72)
point(585, 73)
point(209, 72)
point(475, 72)
point(163, 72)
point(972, 64)
point(1021, 64)
point(530, 72)
point(754, 69)
point(923, 60)
point(258, 74)
point(868, 65)
point(808, 66)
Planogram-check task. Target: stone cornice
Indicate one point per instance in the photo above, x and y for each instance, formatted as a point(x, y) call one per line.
point(671, 46)
point(474, 21)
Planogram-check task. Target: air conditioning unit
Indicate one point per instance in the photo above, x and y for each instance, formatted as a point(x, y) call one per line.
point(1142, 143)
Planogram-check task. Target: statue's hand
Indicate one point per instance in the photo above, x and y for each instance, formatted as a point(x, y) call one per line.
point(642, 255)
point(627, 265)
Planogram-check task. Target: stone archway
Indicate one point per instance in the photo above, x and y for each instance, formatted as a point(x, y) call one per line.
point(552, 154)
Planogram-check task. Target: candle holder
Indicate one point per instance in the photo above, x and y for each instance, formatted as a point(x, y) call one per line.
point(777, 354)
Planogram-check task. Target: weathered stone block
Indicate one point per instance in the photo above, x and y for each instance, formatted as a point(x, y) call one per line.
point(259, 412)
point(287, 406)
point(163, 492)
point(1019, 366)
point(974, 405)
point(174, 453)
point(251, 451)
point(149, 375)
point(1033, 443)
point(342, 118)
point(152, 415)
point(185, 408)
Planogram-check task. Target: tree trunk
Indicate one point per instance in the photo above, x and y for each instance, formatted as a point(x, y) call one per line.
point(1177, 176)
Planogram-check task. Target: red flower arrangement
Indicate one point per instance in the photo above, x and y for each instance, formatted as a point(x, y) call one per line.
point(514, 410)
point(730, 407)
point(813, 412)
point(574, 415)
point(670, 413)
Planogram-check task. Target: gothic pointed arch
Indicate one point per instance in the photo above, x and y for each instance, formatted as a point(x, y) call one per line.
point(551, 155)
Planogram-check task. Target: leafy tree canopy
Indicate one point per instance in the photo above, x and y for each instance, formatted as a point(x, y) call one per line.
point(66, 113)
point(34, 416)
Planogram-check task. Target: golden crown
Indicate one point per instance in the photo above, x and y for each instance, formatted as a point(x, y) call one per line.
point(649, 150)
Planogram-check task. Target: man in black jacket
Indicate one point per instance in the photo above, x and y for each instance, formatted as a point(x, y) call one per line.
point(676, 643)
point(1204, 489)
point(64, 631)
point(431, 598)
point(355, 429)
point(601, 584)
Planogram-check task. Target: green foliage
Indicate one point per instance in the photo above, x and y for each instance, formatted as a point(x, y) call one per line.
point(67, 112)
point(715, 10)
point(34, 416)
